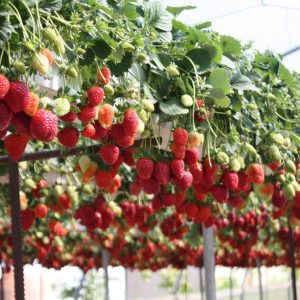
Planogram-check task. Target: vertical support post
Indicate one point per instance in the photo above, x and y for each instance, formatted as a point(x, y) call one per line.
point(209, 263)
point(230, 284)
point(292, 261)
point(126, 285)
point(201, 281)
point(243, 284)
point(2, 284)
point(105, 262)
point(177, 283)
point(14, 183)
point(258, 265)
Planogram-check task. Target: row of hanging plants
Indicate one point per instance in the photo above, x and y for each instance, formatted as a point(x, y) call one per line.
point(189, 125)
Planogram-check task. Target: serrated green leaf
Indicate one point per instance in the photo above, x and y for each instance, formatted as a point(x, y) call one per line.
point(203, 25)
point(6, 30)
point(177, 25)
point(285, 75)
point(227, 62)
point(220, 80)
point(242, 83)
point(101, 49)
point(123, 66)
point(129, 11)
point(173, 107)
point(176, 10)
point(218, 95)
point(88, 57)
point(231, 46)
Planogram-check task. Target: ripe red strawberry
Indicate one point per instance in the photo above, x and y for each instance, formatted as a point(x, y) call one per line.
point(190, 209)
point(135, 188)
point(279, 200)
point(178, 151)
point(41, 211)
point(33, 105)
point(244, 183)
point(220, 193)
point(65, 201)
point(71, 116)
point(128, 157)
point(18, 96)
point(168, 199)
point(256, 173)
point(103, 178)
point(89, 130)
point(68, 137)
point(95, 95)
point(21, 123)
point(88, 113)
point(44, 126)
point(109, 154)
point(150, 186)
point(100, 203)
point(5, 116)
point(296, 199)
point(100, 132)
point(197, 171)
point(3, 133)
point(157, 204)
point(192, 155)
point(236, 201)
point(103, 75)
point(27, 218)
point(4, 86)
point(106, 115)
point(144, 168)
point(180, 136)
point(185, 182)
point(130, 122)
point(177, 168)
point(15, 145)
point(161, 172)
point(230, 179)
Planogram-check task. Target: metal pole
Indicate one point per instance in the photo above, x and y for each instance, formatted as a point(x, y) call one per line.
point(105, 262)
point(126, 285)
point(243, 284)
point(209, 263)
point(201, 282)
point(2, 284)
point(258, 265)
point(292, 261)
point(177, 283)
point(14, 184)
point(230, 284)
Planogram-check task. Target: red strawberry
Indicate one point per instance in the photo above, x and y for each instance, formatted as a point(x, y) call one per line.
point(128, 157)
point(192, 155)
point(256, 173)
point(177, 168)
point(168, 199)
point(279, 200)
point(4, 86)
point(109, 154)
point(18, 96)
point(95, 95)
point(106, 115)
point(15, 145)
point(180, 136)
point(157, 204)
point(89, 130)
point(21, 122)
point(68, 137)
point(103, 75)
point(41, 211)
point(103, 178)
point(190, 209)
point(5, 115)
point(144, 168)
point(27, 218)
point(70, 117)
point(3, 133)
point(185, 182)
point(220, 193)
point(197, 172)
point(161, 172)
point(150, 186)
point(130, 122)
point(178, 150)
point(100, 203)
point(244, 183)
point(236, 201)
point(88, 113)
point(100, 132)
point(65, 201)
point(33, 105)
point(135, 188)
point(118, 135)
point(230, 179)
point(44, 126)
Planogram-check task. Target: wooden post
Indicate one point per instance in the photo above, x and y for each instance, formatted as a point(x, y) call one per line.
point(105, 263)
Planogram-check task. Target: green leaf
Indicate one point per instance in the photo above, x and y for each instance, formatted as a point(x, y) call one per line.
point(88, 57)
point(242, 83)
point(101, 49)
point(123, 66)
point(231, 46)
point(173, 107)
point(199, 36)
point(227, 62)
point(177, 25)
point(6, 30)
point(285, 75)
point(203, 25)
point(176, 10)
point(218, 95)
point(220, 80)
point(129, 11)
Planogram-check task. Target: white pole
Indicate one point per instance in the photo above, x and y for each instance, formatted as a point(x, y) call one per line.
point(105, 262)
point(258, 265)
point(209, 263)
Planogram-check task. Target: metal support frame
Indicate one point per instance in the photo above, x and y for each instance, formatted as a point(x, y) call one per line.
point(292, 261)
point(105, 263)
point(261, 292)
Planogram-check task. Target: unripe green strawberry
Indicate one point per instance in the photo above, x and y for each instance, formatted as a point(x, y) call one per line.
point(20, 67)
point(287, 142)
point(235, 164)
point(252, 106)
point(274, 153)
point(242, 162)
point(87, 189)
point(141, 57)
point(80, 51)
point(289, 191)
point(249, 148)
point(296, 186)
point(72, 72)
point(281, 178)
point(58, 189)
point(222, 158)
point(290, 166)
point(277, 138)
point(59, 46)
point(148, 105)
point(146, 134)
point(84, 162)
point(39, 234)
point(109, 90)
point(172, 70)
point(50, 34)
point(187, 100)
point(46, 168)
point(180, 83)
point(29, 46)
point(290, 177)
point(44, 101)
point(128, 47)
point(143, 115)
point(40, 63)
point(30, 183)
point(272, 97)
point(141, 126)
point(46, 240)
point(61, 106)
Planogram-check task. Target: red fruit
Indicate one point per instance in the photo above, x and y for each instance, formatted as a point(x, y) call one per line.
point(256, 173)
point(68, 137)
point(106, 115)
point(109, 154)
point(128, 157)
point(297, 199)
point(88, 113)
point(161, 172)
point(103, 178)
point(100, 203)
point(135, 188)
point(5, 115)
point(157, 204)
point(197, 172)
point(44, 126)
point(244, 183)
point(185, 182)
point(48, 54)
point(203, 214)
point(130, 122)
point(230, 179)
point(220, 193)
point(89, 130)
point(3, 133)
point(190, 209)
point(100, 132)
point(192, 155)
point(180, 136)
point(236, 201)
point(103, 75)
point(150, 186)
point(21, 123)
point(168, 199)
point(41, 211)
point(15, 145)
point(274, 165)
point(4, 86)
point(178, 150)
point(144, 168)
point(200, 116)
point(65, 201)
point(95, 95)
point(177, 168)
point(279, 200)
point(27, 218)
point(71, 116)
point(33, 105)
point(18, 96)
